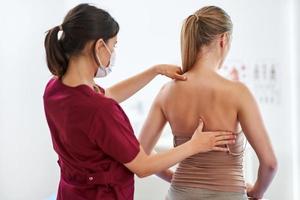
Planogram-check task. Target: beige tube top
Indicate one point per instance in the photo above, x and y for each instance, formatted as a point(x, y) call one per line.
point(221, 171)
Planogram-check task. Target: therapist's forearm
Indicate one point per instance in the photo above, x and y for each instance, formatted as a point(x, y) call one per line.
point(166, 174)
point(156, 163)
point(126, 88)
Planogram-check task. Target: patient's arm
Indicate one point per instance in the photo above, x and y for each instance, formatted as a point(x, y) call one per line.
point(255, 131)
point(152, 130)
point(153, 126)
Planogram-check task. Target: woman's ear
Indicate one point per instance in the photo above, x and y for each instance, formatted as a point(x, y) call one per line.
point(98, 45)
point(223, 40)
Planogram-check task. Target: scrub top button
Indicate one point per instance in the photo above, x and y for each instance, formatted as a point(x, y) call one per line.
point(91, 178)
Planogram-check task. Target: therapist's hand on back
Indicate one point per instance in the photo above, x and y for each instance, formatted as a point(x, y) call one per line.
point(171, 71)
point(144, 165)
point(211, 141)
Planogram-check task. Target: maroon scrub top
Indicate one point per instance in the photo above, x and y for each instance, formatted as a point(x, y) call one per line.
point(93, 138)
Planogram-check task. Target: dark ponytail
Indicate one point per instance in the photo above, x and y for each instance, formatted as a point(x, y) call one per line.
point(56, 58)
point(84, 23)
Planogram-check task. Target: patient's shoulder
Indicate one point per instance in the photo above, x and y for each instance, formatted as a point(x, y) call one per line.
point(167, 91)
point(165, 88)
point(171, 87)
point(234, 85)
point(241, 92)
point(240, 88)
point(233, 89)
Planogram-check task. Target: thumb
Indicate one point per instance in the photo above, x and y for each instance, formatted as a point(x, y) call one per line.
point(180, 77)
point(200, 125)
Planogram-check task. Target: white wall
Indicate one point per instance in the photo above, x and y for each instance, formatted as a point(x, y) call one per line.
point(295, 57)
point(149, 34)
point(27, 162)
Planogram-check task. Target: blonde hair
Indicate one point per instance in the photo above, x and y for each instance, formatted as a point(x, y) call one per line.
point(199, 30)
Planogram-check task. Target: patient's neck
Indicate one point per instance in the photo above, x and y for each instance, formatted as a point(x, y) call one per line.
point(208, 61)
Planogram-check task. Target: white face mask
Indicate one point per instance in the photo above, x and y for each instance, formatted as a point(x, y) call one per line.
point(103, 71)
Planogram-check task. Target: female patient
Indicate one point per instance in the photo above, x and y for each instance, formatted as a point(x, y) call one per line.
point(222, 105)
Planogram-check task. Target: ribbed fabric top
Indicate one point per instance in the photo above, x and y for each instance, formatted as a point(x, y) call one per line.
point(221, 171)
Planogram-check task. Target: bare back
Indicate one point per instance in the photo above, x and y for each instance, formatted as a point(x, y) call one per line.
point(210, 97)
point(223, 105)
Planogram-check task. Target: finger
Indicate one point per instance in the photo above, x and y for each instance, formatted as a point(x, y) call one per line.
point(225, 137)
point(225, 142)
point(200, 125)
point(179, 77)
point(221, 133)
point(224, 149)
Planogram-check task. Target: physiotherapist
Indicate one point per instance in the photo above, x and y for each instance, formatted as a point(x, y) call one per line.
point(96, 146)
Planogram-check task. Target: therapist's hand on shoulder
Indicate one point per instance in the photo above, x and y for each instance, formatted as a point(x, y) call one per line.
point(171, 71)
point(211, 141)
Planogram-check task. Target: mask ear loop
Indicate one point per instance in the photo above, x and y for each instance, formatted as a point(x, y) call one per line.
point(109, 51)
point(98, 61)
point(244, 148)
